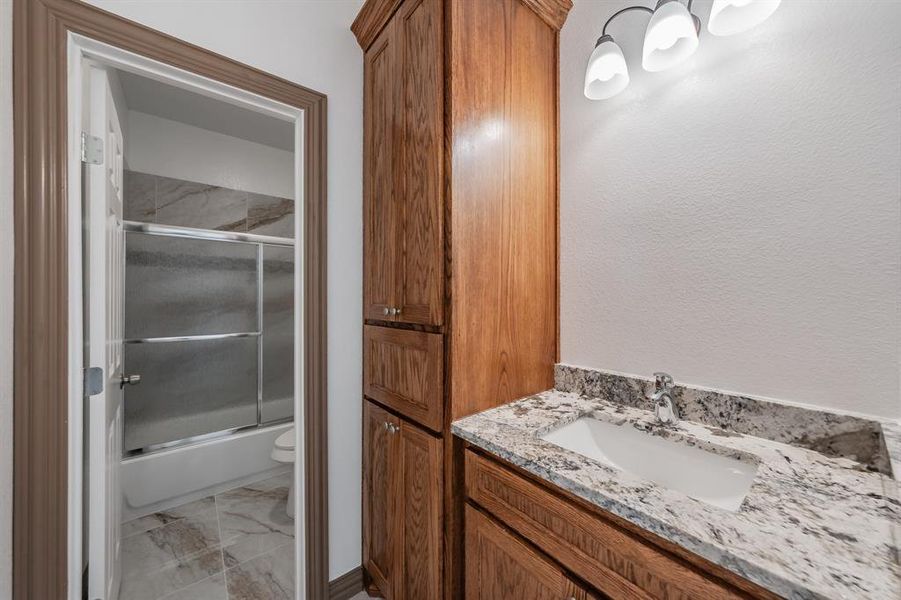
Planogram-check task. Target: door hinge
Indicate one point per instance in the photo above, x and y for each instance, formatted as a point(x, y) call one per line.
point(93, 381)
point(91, 149)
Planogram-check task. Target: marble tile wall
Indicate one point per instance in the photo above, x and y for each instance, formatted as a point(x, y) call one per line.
point(829, 433)
point(237, 545)
point(167, 201)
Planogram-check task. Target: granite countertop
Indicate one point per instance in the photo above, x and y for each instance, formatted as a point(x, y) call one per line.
point(811, 526)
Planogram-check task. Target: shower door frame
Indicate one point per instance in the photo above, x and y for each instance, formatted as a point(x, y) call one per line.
point(47, 354)
point(258, 240)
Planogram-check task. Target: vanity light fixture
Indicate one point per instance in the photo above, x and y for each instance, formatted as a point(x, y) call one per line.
point(728, 17)
point(607, 73)
point(670, 38)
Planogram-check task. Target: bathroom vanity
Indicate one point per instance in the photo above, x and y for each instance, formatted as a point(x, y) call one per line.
point(810, 510)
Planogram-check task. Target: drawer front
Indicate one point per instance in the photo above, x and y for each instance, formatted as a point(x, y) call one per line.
point(405, 371)
point(605, 556)
point(501, 567)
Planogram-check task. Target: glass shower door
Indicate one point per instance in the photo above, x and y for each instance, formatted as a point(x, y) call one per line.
point(192, 328)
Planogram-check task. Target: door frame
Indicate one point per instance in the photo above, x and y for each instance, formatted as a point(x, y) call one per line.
point(47, 356)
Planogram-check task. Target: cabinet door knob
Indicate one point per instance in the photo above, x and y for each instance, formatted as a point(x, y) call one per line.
point(386, 311)
point(396, 311)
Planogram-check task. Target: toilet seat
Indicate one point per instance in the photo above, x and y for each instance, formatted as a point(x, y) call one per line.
point(283, 449)
point(286, 440)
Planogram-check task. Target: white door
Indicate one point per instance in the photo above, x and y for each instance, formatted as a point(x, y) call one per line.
point(104, 315)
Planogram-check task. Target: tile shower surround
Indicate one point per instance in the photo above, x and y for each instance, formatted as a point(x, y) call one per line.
point(167, 201)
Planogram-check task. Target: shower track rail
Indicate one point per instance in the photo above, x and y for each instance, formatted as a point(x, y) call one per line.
point(221, 236)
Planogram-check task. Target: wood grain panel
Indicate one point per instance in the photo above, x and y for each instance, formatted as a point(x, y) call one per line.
point(552, 12)
point(380, 207)
point(420, 277)
point(501, 567)
point(421, 532)
point(503, 215)
point(605, 556)
point(381, 496)
point(403, 370)
point(371, 19)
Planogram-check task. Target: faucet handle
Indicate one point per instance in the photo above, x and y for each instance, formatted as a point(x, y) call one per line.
point(663, 381)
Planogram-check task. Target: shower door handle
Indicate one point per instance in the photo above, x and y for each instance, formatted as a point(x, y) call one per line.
point(129, 380)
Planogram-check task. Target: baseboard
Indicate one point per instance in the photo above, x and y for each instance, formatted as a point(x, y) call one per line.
point(346, 586)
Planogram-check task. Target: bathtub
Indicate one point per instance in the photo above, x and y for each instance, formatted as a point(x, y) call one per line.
point(167, 478)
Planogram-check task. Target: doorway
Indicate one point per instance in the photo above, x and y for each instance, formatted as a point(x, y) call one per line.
point(189, 313)
point(57, 485)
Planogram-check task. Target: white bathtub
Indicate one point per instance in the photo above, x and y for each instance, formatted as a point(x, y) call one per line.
point(168, 478)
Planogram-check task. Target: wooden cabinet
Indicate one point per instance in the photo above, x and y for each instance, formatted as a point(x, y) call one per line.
point(403, 370)
point(403, 178)
point(460, 253)
point(402, 495)
point(591, 544)
point(380, 494)
point(420, 563)
point(420, 127)
point(501, 567)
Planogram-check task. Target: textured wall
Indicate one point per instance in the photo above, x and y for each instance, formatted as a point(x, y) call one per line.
point(735, 221)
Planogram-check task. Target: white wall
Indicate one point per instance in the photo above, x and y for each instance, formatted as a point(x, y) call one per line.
point(162, 147)
point(735, 221)
point(307, 42)
point(6, 298)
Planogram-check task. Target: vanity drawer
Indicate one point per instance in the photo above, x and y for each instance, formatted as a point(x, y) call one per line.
point(604, 555)
point(404, 370)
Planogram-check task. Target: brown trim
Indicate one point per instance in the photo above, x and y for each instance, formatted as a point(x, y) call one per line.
point(346, 586)
point(374, 15)
point(40, 376)
point(552, 12)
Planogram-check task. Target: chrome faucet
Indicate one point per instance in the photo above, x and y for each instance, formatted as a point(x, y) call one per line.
point(664, 408)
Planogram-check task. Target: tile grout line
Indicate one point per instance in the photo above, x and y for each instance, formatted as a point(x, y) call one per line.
point(221, 545)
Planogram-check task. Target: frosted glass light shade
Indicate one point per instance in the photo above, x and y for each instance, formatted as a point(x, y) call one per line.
point(671, 37)
point(606, 74)
point(728, 17)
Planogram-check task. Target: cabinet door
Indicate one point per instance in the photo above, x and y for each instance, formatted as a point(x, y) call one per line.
point(404, 370)
point(381, 495)
point(421, 527)
point(380, 204)
point(501, 567)
point(419, 44)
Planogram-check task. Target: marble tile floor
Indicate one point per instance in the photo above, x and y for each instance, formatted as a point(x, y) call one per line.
point(237, 545)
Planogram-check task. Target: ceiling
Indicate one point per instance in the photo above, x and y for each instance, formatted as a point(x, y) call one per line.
point(169, 102)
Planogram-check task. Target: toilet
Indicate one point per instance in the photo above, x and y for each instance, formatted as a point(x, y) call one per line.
point(283, 452)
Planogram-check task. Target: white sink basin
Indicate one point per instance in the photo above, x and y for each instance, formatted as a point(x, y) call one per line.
point(705, 476)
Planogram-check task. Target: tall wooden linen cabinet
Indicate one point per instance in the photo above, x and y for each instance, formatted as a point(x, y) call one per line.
point(460, 258)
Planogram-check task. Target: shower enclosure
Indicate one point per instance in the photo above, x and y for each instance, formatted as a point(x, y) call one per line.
point(209, 329)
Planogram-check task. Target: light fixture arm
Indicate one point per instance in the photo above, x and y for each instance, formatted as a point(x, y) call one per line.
point(650, 11)
point(625, 10)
